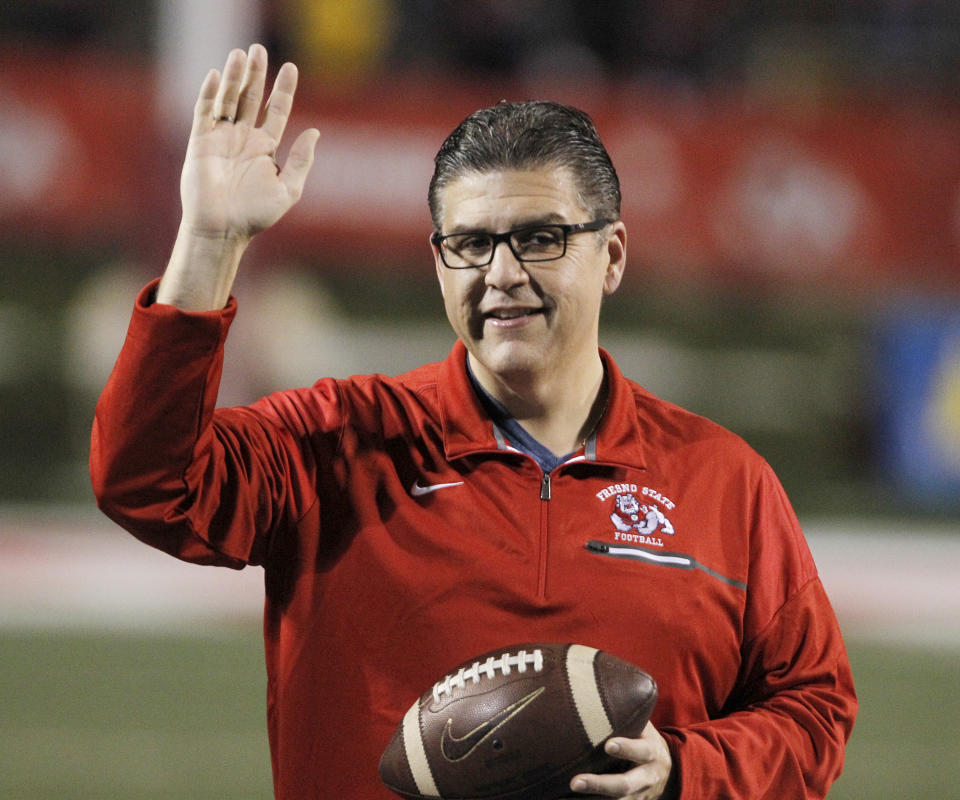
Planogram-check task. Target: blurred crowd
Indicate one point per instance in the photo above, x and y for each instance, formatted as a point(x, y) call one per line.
point(873, 45)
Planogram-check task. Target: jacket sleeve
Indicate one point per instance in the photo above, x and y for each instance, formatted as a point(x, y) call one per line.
point(203, 485)
point(785, 726)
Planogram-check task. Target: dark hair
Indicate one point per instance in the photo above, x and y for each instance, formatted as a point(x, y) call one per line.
point(529, 135)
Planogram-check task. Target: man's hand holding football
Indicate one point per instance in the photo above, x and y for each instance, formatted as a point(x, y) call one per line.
point(649, 780)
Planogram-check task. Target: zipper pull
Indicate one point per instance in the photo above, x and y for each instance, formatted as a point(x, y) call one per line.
point(545, 486)
point(597, 547)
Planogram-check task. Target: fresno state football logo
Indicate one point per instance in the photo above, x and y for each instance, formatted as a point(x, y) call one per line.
point(633, 521)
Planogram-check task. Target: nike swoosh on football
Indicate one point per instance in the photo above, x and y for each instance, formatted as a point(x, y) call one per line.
point(418, 491)
point(457, 748)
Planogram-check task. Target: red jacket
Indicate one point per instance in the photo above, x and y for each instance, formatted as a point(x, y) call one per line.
point(400, 535)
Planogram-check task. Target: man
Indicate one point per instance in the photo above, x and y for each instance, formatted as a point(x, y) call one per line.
point(521, 490)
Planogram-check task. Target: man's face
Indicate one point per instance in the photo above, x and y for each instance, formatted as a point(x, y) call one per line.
point(525, 323)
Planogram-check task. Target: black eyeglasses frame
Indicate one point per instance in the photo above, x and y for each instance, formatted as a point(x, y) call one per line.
point(437, 239)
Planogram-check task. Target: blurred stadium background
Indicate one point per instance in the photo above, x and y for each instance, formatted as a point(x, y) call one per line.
point(791, 175)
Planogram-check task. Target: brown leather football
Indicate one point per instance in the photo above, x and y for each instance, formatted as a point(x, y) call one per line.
point(518, 723)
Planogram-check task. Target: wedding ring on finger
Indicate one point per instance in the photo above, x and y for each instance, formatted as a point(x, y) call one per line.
point(225, 118)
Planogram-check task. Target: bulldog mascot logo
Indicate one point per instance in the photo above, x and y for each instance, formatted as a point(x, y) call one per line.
point(630, 516)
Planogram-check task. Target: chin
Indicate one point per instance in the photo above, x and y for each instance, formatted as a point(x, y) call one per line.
point(511, 361)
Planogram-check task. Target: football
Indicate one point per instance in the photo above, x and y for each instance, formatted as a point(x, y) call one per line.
point(517, 723)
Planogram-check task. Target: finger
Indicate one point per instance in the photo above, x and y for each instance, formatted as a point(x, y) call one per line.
point(618, 784)
point(254, 79)
point(203, 116)
point(601, 785)
point(281, 101)
point(633, 783)
point(229, 93)
point(639, 751)
point(299, 161)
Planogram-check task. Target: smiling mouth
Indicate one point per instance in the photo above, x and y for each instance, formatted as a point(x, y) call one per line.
point(512, 313)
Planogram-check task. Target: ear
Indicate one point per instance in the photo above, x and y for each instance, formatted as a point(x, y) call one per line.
point(617, 253)
point(438, 265)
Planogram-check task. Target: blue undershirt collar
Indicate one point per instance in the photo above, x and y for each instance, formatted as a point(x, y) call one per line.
point(519, 437)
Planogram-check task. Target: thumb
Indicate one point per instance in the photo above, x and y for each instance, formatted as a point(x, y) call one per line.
point(299, 161)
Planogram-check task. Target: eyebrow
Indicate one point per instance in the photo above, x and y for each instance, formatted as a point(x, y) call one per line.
point(547, 219)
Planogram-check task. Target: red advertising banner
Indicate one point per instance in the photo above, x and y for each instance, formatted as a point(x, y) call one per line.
point(75, 134)
point(713, 186)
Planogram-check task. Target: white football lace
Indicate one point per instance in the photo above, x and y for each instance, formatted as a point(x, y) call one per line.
point(506, 663)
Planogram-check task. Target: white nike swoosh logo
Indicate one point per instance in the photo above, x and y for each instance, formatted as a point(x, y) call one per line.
point(418, 491)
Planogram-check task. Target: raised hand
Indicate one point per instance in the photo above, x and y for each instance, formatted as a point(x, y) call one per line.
point(232, 187)
point(231, 184)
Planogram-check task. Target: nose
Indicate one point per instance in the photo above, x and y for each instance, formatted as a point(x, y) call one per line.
point(505, 270)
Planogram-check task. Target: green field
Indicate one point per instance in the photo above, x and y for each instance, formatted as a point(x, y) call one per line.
point(133, 716)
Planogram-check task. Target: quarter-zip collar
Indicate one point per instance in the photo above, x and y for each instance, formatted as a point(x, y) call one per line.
point(467, 428)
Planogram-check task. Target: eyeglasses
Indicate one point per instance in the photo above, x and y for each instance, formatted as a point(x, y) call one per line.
point(531, 243)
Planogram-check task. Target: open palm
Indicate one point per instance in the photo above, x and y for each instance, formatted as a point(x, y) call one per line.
point(231, 185)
